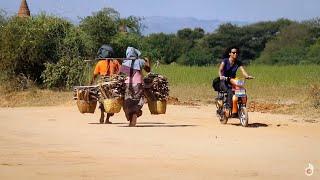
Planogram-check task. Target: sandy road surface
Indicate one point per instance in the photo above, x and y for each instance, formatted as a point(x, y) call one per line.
point(186, 143)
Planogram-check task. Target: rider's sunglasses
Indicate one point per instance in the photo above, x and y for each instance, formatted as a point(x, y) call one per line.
point(235, 52)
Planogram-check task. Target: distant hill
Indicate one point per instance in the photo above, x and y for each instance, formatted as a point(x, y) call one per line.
point(157, 24)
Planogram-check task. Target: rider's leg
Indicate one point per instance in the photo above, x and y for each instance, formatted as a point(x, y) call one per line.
point(225, 87)
point(229, 97)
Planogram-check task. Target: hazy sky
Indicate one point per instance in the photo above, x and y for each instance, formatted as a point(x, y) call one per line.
point(241, 10)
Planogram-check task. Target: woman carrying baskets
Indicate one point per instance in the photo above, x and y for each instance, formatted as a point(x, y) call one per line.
point(105, 67)
point(132, 67)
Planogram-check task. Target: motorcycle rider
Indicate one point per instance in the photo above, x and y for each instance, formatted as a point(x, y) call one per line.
point(227, 73)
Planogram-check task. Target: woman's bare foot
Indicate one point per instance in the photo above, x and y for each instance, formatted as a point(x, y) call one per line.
point(133, 120)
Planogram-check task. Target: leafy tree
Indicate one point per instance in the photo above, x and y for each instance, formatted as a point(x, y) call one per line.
point(185, 33)
point(101, 26)
point(198, 33)
point(121, 41)
point(251, 39)
point(313, 55)
point(289, 47)
point(77, 44)
point(27, 43)
point(165, 47)
point(197, 56)
point(105, 24)
point(131, 24)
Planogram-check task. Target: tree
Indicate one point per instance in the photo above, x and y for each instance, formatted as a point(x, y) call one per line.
point(313, 55)
point(131, 24)
point(164, 47)
point(27, 43)
point(251, 39)
point(101, 26)
point(289, 47)
point(121, 41)
point(185, 33)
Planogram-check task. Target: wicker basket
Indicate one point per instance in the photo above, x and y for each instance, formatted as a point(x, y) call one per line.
point(157, 107)
point(86, 106)
point(112, 105)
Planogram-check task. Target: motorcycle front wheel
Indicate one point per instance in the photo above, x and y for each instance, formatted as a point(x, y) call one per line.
point(243, 116)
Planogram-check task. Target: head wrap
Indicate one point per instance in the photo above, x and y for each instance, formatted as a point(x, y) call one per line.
point(132, 52)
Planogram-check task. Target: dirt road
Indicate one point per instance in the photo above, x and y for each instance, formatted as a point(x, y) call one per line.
point(186, 143)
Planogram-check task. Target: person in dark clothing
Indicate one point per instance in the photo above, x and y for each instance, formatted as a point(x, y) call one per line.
point(228, 70)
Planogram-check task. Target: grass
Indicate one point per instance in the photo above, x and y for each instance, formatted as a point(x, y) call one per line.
point(35, 97)
point(285, 85)
point(272, 84)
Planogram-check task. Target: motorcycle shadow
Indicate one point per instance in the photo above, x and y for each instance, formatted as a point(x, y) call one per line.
point(252, 125)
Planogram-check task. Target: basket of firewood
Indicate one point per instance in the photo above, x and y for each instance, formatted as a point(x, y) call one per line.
point(86, 99)
point(111, 93)
point(156, 91)
point(113, 105)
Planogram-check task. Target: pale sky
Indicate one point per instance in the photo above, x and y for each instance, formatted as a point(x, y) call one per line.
point(227, 10)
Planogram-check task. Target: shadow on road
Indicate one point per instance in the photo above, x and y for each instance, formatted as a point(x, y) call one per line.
point(252, 125)
point(128, 123)
point(147, 124)
point(143, 124)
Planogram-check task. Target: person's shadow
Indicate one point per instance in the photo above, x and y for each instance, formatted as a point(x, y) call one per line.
point(252, 125)
point(149, 124)
point(164, 125)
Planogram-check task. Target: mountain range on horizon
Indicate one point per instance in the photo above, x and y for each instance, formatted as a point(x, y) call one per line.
point(158, 24)
point(168, 25)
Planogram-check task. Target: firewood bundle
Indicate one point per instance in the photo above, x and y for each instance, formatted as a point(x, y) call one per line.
point(156, 87)
point(112, 87)
point(87, 93)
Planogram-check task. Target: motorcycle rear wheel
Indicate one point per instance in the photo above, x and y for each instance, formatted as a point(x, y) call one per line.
point(243, 116)
point(222, 117)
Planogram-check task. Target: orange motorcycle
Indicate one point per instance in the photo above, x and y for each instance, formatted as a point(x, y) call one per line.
point(239, 102)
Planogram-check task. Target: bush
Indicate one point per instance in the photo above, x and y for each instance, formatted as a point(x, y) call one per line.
point(66, 73)
point(28, 43)
point(198, 56)
point(77, 44)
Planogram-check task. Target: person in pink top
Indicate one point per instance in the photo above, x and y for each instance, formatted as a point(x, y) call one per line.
point(132, 67)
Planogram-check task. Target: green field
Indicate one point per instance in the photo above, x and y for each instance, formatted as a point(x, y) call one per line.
point(298, 86)
point(274, 84)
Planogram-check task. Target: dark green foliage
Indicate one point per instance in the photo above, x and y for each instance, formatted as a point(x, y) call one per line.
point(198, 56)
point(251, 39)
point(50, 50)
point(65, 73)
point(77, 44)
point(165, 47)
point(289, 47)
point(27, 43)
point(313, 55)
point(121, 41)
point(101, 26)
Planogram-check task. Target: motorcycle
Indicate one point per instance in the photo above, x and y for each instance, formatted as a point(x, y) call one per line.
point(239, 101)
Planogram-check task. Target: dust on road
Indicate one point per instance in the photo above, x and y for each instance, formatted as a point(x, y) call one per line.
point(186, 143)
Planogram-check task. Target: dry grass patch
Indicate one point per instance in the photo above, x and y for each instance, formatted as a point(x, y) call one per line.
point(35, 97)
